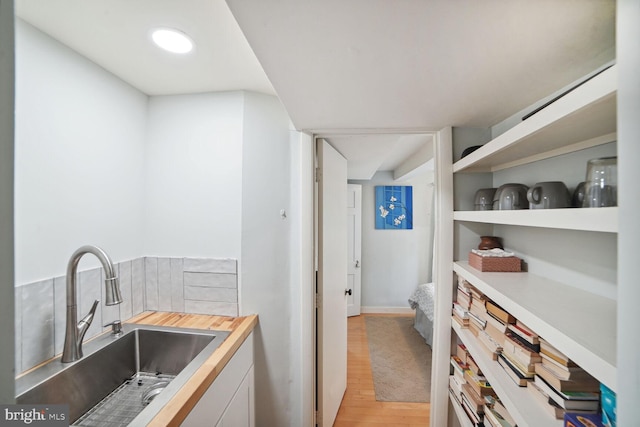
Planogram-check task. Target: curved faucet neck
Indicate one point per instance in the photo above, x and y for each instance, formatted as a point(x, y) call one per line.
point(75, 331)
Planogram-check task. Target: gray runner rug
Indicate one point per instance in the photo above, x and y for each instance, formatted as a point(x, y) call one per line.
point(400, 360)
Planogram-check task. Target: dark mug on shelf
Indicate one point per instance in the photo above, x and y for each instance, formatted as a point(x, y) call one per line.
point(511, 197)
point(549, 195)
point(483, 200)
point(578, 195)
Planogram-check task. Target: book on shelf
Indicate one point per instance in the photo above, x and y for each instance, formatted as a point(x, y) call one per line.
point(493, 418)
point(489, 342)
point(479, 384)
point(460, 311)
point(561, 371)
point(579, 419)
point(479, 321)
point(458, 368)
point(475, 293)
point(473, 366)
point(582, 383)
point(517, 338)
point(462, 353)
point(514, 373)
point(464, 323)
point(463, 299)
point(545, 402)
point(525, 334)
point(526, 370)
point(554, 354)
point(496, 323)
point(474, 328)
point(495, 333)
point(582, 401)
point(515, 348)
point(455, 386)
point(475, 402)
point(498, 312)
point(474, 418)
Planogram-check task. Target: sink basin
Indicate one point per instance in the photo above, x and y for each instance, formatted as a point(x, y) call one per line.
point(125, 379)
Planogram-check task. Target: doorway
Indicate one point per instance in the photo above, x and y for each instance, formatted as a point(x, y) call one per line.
point(415, 162)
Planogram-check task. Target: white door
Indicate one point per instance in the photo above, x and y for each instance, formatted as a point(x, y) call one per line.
point(354, 248)
point(332, 282)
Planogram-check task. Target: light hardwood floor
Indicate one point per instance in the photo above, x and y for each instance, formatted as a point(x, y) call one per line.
point(359, 407)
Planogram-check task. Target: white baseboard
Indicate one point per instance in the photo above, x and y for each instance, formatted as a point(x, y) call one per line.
point(393, 310)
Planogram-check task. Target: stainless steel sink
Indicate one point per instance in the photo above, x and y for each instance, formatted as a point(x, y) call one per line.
point(124, 379)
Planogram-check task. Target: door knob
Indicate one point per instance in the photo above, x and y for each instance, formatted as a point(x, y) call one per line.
point(347, 292)
point(357, 263)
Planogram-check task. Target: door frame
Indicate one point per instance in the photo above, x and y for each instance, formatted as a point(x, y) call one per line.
point(310, 378)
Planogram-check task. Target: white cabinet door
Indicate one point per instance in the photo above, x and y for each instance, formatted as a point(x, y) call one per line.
point(239, 413)
point(231, 396)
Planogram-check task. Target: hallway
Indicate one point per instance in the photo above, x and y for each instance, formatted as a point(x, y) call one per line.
point(359, 407)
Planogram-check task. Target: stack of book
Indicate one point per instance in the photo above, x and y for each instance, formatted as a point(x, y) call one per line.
point(521, 351)
point(477, 311)
point(468, 385)
point(562, 386)
point(456, 380)
point(496, 321)
point(496, 415)
point(474, 391)
point(462, 304)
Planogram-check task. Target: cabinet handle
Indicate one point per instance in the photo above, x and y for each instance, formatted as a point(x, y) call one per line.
point(347, 292)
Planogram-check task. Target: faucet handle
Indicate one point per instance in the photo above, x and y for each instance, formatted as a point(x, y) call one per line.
point(116, 327)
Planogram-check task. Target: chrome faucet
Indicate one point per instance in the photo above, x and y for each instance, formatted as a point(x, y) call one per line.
point(75, 330)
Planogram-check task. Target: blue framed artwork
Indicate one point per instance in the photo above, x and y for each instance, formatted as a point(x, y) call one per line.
point(394, 207)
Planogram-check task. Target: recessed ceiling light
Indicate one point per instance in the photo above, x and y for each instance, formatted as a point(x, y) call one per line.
point(172, 40)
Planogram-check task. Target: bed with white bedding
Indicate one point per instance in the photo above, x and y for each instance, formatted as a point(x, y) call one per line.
point(422, 301)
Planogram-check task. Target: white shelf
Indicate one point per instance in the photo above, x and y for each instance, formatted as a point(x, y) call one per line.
point(582, 118)
point(584, 219)
point(580, 324)
point(523, 408)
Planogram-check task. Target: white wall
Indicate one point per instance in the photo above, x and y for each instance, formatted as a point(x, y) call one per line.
point(265, 261)
point(193, 186)
point(7, 372)
point(628, 34)
point(79, 158)
point(395, 262)
point(189, 175)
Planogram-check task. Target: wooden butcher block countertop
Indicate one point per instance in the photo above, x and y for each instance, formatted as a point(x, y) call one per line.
point(174, 412)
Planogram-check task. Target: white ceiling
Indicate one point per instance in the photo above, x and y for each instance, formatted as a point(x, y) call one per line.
point(350, 68)
point(115, 34)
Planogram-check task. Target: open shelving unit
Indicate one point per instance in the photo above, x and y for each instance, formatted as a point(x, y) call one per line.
point(601, 220)
point(579, 322)
point(524, 410)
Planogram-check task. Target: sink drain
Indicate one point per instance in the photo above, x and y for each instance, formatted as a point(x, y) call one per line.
point(153, 391)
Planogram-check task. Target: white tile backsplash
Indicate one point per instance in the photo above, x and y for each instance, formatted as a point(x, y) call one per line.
point(211, 280)
point(177, 284)
point(138, 280)
point(164, 284)
point(37, 323)
point(124, 275)
point(211, 265)
point(185, 285)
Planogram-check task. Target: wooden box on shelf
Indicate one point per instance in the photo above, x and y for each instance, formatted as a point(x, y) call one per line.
point(495, 264)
